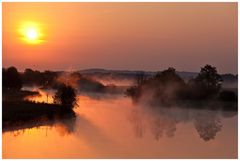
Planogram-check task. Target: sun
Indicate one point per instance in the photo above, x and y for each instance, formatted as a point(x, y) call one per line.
point(31, 33)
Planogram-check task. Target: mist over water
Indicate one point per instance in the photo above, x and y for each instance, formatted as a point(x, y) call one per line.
point(113, 126)
point(120, 80)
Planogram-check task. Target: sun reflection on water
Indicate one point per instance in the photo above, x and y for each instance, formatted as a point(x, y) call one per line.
point(115, 128)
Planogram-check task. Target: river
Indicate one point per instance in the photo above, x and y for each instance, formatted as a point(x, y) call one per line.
point(112, 126)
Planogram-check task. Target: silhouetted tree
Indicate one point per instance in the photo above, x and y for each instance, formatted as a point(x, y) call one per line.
point(167, 86)
point(49, 78)
point(35, 77)
point(31, 77)
point(65, 96)
point(163, 88)
point(168, 76)
point(207, 83)
point(12, 79)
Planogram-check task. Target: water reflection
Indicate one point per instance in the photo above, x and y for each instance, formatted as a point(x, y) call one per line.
point(160, 121)
point(113, 127)
point(65, 124)
point(160, 126)
point(207, 125)
point(45, 96)
point(137, 122)
point(163, 121)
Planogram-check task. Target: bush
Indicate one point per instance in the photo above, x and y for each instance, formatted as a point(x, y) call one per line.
point(66, 96)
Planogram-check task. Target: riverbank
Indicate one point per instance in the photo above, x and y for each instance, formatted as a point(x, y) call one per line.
point(11, 95)
point(17, 113)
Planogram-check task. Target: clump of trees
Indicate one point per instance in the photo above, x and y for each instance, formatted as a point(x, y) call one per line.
point(35, 77)
point(164, 87)
point(167, 87)
point(11, 79)
point(51, 79)
point(207, 84)
point(66, 96)
point(14, 80)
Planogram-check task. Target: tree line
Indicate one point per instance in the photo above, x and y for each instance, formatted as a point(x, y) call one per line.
point(14, 80)
point(66, 95)
point(167, 87)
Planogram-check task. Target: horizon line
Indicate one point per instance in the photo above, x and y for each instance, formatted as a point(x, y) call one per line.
point(107, 69)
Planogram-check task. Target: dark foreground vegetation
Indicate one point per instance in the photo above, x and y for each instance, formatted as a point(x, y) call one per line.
point(21, 114)
point(25, 114)
point(18, 112)
point(167, 88)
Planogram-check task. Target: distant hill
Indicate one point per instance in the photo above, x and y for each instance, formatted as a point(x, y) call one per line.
point(132, 72)
point(128, 74)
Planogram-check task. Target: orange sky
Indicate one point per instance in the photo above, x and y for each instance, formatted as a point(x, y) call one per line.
point(134, 36)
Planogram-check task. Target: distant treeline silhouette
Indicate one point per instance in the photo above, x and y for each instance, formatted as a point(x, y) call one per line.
point(14, 80)
point(164, 87)
point(167, 87)
point(11, 79)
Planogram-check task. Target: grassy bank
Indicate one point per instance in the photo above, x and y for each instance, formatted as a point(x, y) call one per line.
point(18, 113)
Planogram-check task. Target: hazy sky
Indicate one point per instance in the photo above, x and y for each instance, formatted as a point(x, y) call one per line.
point(133, 36)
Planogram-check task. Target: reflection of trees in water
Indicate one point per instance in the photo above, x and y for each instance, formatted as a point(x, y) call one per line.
point(18, 132)
point(207, 125)
point(159, 125)
point(65, 124)
point(163, 125)
point(137, 122)
point(163, 121)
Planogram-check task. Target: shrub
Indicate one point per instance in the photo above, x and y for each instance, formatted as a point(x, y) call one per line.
point(66, 96)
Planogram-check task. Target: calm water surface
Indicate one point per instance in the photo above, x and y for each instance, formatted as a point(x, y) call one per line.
point(113, 127)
